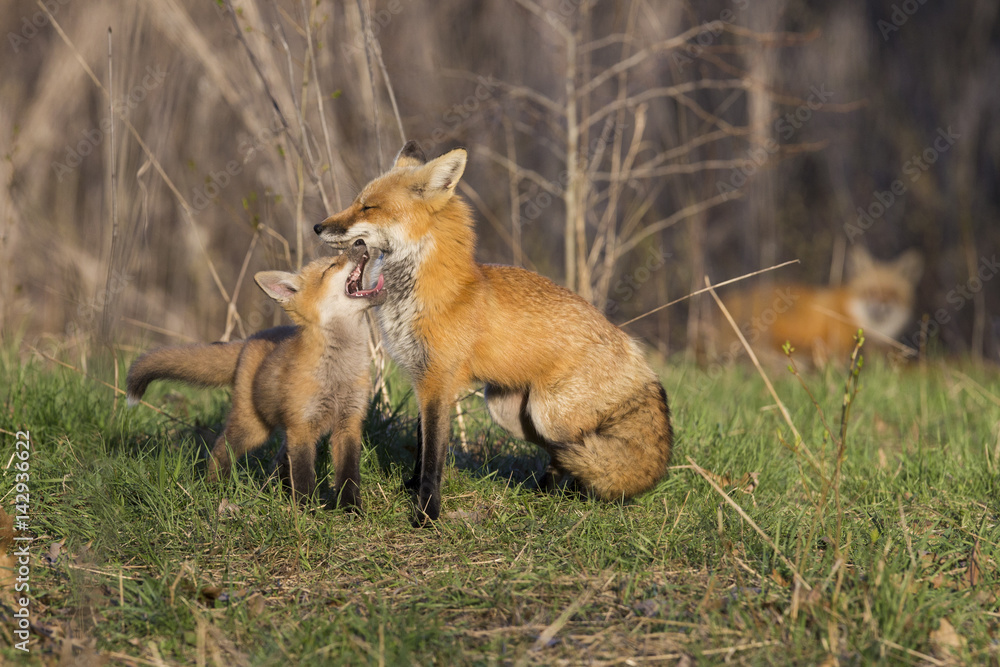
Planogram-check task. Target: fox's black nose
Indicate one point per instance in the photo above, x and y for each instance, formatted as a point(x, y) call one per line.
point(318, 228)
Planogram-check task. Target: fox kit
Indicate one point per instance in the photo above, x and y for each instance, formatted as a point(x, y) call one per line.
point(310, 379)
point(557, 373)
point(822, 322)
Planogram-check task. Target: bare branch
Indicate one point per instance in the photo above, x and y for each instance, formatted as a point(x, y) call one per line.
point(603, 42)
point(668, 91)
point(706, 289)
point(689, 146)
point(773, 39)
point(310, 47)
point(682, 214)
point(681, 168)
point(521, 172)
point(536, 9)
point(511, 89)
point(640, 56)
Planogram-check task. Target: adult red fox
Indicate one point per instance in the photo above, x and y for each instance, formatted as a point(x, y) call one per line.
point(821, 322)
point(310, 379)
point(557, 373)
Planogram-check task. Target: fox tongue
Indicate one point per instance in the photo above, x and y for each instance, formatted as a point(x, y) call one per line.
point(374, 290)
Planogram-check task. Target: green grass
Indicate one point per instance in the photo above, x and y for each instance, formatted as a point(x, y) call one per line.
point(156, 567)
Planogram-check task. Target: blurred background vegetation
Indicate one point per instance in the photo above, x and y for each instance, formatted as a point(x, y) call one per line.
point(626, 149)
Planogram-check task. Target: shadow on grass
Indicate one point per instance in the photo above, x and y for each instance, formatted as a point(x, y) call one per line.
point(486, 450)
point(390, 435)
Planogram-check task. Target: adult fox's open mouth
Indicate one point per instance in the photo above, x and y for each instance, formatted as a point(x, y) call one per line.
point(356, 278)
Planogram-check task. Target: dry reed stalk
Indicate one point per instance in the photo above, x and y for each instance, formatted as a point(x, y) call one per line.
point(799, 444)
point(311, 49)
point(708, 289)
point(463, 436)
point(753, 524)
point(232, 316)
point(188, 211)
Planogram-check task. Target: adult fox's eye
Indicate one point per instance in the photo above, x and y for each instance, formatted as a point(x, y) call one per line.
point(366, 207)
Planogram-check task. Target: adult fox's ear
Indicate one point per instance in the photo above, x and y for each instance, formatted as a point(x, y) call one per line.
point(279, 285)
point(410, 155)
point(911, 265)
point(859, 260)
point(438, 178)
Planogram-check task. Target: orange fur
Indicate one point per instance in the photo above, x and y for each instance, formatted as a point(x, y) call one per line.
point(557, 373)
point(310, 379)
point(822, 322)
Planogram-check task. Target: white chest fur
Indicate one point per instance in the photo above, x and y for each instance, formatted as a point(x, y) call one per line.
point(397, 316)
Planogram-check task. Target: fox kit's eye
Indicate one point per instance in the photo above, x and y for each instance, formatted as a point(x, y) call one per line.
point(359, 242)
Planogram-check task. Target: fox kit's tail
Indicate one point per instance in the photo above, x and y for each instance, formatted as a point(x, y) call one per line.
point(209, 365)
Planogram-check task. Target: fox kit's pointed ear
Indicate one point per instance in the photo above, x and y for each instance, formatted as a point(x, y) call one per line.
point(911, 265)
point(859, 260)
point(440, 176)
point(410, 155)
point(279, 285)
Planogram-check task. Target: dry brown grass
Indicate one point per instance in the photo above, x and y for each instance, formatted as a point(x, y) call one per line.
point(599, 133)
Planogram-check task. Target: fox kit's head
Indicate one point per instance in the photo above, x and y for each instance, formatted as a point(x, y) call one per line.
point(882, 293)
point(328, 288)
point(397, 210)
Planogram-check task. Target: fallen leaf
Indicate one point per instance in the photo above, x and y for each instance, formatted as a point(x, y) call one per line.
point(973, 573)
point(749, 482)
point(52, 555)
point(945, 640)
point(228, 509)
point(256, 605)
point(469, 517)
point(649, 608)
point(210, 593)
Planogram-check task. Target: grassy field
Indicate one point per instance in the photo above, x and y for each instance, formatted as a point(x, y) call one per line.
point(892, 559)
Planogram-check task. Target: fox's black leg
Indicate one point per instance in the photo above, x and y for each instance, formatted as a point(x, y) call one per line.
point(414, 482)
point(434, 416)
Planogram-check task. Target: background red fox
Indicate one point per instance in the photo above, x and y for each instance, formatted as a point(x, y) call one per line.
point(821, 322)
point(557, 373)
point(310, 379)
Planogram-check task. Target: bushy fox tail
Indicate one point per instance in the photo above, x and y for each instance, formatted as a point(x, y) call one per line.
point(208, 365)
point(628, 455)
